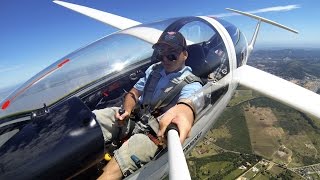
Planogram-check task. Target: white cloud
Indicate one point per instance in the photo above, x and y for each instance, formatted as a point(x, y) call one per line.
point(269, 9)
point(276, 9)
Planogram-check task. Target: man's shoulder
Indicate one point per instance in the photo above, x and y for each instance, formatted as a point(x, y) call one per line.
point(153, 67)
point(189, 77)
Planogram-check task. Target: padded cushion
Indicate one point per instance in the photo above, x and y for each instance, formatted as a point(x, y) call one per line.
point(197, 60)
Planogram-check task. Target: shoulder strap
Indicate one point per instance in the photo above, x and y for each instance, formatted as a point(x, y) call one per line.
point(151, 83)
point(174, 92)
point(193, 78)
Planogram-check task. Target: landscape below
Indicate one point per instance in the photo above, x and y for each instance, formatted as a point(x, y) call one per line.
point(259, 138)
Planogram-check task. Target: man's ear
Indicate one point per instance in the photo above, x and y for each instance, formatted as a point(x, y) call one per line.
point(185, 55)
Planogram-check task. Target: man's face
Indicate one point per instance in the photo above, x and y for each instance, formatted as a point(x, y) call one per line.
point(171, 59)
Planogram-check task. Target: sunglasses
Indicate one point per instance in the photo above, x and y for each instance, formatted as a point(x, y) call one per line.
point(171, 55)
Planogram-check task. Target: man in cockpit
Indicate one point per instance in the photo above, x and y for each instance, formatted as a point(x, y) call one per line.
point(164, 93)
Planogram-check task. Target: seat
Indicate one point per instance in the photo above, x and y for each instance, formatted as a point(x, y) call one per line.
point(203, 61)
point(197, 60)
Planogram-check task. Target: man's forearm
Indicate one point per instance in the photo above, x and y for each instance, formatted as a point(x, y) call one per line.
point(130, 100)
point(188, 106)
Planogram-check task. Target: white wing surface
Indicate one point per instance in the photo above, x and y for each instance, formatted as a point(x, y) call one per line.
point(107, 18)
point(279, 89)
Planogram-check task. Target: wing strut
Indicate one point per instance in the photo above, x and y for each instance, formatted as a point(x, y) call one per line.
point(254, 37)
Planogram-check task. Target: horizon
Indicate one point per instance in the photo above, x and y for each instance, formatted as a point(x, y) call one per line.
point(5, 91)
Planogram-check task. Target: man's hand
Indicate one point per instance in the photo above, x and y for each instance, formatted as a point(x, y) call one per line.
point(128, 104)
point(122, 116)
point(182, 116)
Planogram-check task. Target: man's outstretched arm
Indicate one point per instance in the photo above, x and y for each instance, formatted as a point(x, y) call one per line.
point(183, 115)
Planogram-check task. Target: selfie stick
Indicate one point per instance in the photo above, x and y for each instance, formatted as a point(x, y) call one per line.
point(177, 161)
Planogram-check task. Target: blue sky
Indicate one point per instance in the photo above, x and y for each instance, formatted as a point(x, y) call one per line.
point(36, 33)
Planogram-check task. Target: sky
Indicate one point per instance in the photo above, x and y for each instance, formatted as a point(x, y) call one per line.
point(36, 33)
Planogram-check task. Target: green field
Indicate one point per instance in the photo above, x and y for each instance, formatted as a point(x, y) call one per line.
point(221, 166)
point(237, 138)
point(300, 134)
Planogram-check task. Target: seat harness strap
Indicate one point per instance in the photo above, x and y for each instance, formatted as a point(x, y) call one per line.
point(166, 97)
